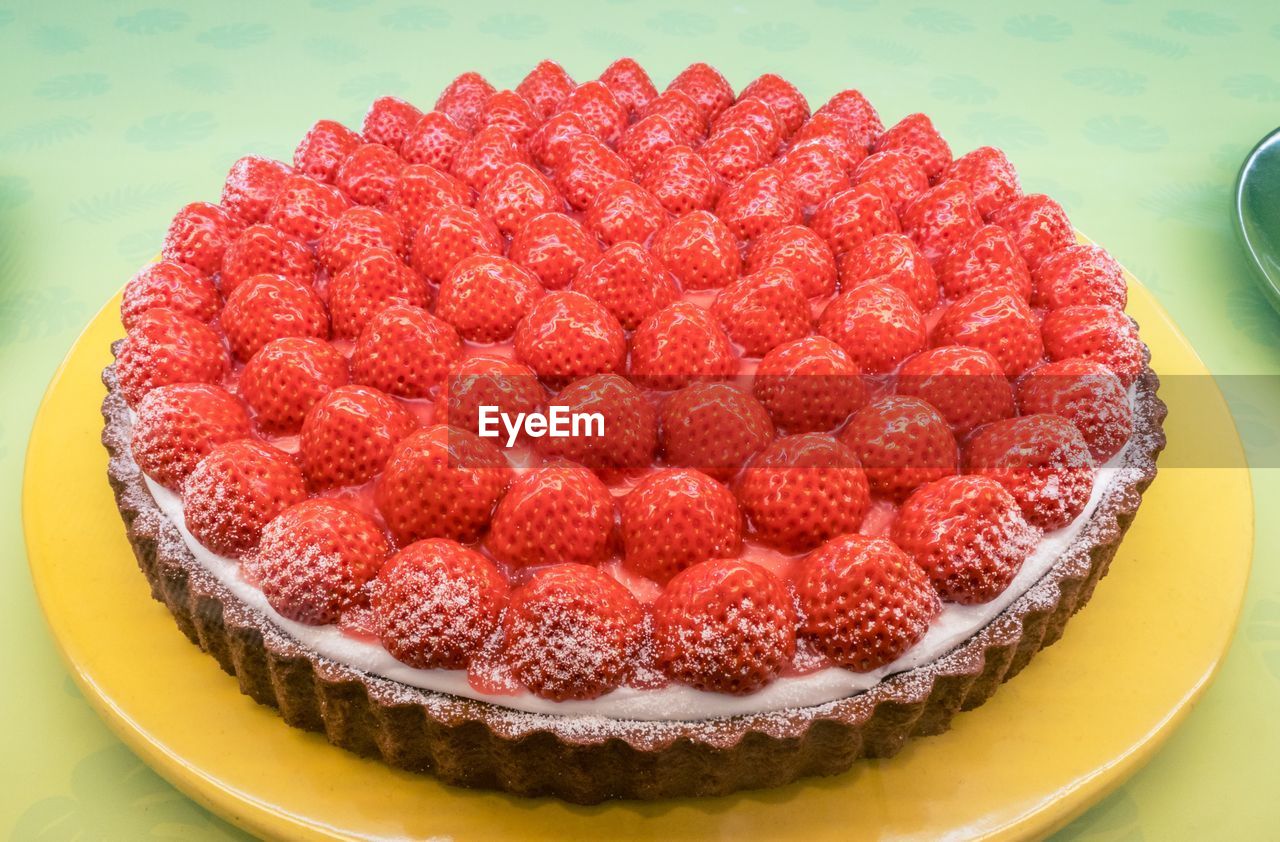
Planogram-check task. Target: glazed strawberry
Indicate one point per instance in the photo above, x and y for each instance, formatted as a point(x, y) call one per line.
point(569, 632)
point(287, 377)
point(630, 84)
point(487, 380)
point(435, 604)
point(1085, 393)
point(251, 187)
point(678, 344)
point(814, 172)
point(315, 559)
point(725, 626)
point(358, 230)
point(799, 250)
point(374, 280)
point(916, 136)
point(876, 325)
point(996, 321)
point(644, 141)
point(863, 602)
point(990, 177)
point(825, 130)
point(624, 211)
point(986, 258)
point(235, 491)
point(802, 490)
point(1079, 274)
point(587, 167)
point(369, 173)
point(757, 117)
point(171, 285)
point(512, 113)
point(676, 518)
point(630, 426)
point(628, 282)
point(348, 435)
point(518, 194)
point(305, 208)
point(198, 236)
point(852, 110)
point(893, 260)
point(263, 250)
point(557, 512)
point(487, 153)
point(941, 218)
point(703, 84)
point(549, 145)
point(545, 87)
point(787, 102)
point(322, 148)
point(849, 219)
point(421, 190)
point(597, 106)
point(896, 173)
point(966, 385)
point(699, 250)
point(1039, 226)
point(733, 154)
point(758, 204)
point(902, 443)
point(178, 424)
point(554, 247)
point(389, 121)
point(682, 112)
point(763, 310)
point(434, 140)
point(568, 335)
point(165, 347)
point(681, 181)
point(266, 307)
point(1041, 460)
point(983, 545)
point(1098, 333)
point(486, 296)
point(405, 351)
point(714, 427)
point(448, 235)
point(809, 385)
point(463, 99)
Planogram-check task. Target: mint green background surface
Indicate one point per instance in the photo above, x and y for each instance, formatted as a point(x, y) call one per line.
point(1135, 115)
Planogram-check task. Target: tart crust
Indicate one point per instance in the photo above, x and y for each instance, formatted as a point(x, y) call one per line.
point(586, 759)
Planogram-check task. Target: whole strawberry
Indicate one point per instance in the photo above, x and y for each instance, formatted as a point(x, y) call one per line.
point(369, 173)
point(966, 385)
point(761, 202)
point(681, 181)
point(511, 113)
point(286, 378)
point(464, 98)
point(896, 174)
point(487, 380)
point(815, 172)
point(267, 307)
point(554, 247)
point(630, 84)
point(783, 97)
point(595, 103)
point(876, 325)
point(809, 385)
point(420, 190)
point(586, 168)
point(178, 425)
point(545, 87)
point(1098, 333)
point(703, 84)
point(893, 260)
point(630, 426)
point(800, 251)
point(625, 211)
point(940, 218)
point(567, 335)
point(714, 427)
point(628, 282)
point(916, 136)
point(763, 310)
point(405, 351)
point(448, 235)
point(849, 219)
point(374, 280)
point(235, 491)
point(757, 117)
point(853, 111)
point(251, 186)
point(902, 443)
point(557, 512)
point(485, 296)
point(517, 194)
point(1086, 393)
point(322, 148)
point(986, 259)
point(733, 154)
point(434, 140)
point(389, 121)
point(825, 130)
point(174, 286)
point(699, 250)
point(356, 231)
point(165, 347)
point(199, 235)
point(487, 153)
point(996, 321)
point(305, 208)
point(990, 176)
point(678, 344)
point(262, 250)
point(681, 111)
point(676, 518)
point(644, 141)
point(1079, 274)
point(348, 435)
point(1039, 227)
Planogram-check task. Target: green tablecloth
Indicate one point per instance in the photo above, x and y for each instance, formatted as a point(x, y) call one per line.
point(1134, 114)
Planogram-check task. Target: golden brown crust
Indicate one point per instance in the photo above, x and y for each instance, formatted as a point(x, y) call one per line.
point(590, 759)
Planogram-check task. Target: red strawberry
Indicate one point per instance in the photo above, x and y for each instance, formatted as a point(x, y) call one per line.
point(448, 235)
point(322, 148)
point(568, 335)
point(644, 141)
point(983, 545)
point(178, 424)
point(902, 443)
point(263, 250)
point(549, 145)
point(995, 321)
point(517, 194)
point(896, 173)
point(487, 153)
point(986, 259)
point(703, 84)
point(990, 177)
point(630, 84)
point(1098, 333)
point(876, 325)
point(557, 512)
point(420, 190)
point(486, 296)
point(676, 518)
point(863, 601)
point(825, 130)
point(251, 187)
point(682, 181)
point(798, 249)
point(235, 491)
point(1041, 460)
point(306, 208)
point(463, 99)
point(763, 310)
point(628, 282)
point(630, 426)
point(347, 437)
point(809, 385)
point(785, 99)
point(683, 113)
point(315, 559)
point(852, 110)
point(596, 104)
point(893, 260)
point(434, 140)
point(966, 385)
point(554, 247)
point(678, 344)
point(487, 380)
point(1039, 226)
point(587, 167)
point(545, 87)
point(267, 307)
point(1085, 393)
point(165, 347)
point(624, 211)
point(849, 219)
point(802, 490)
point(726, 626)
point(287, 377)
point(198, 236)
point(757, 117)
point(369, 173)
point(374, 280)
point(512, 113)
point(1080, 274)
point(733, 154)
point(405, 351)
point(389, 121)
point(435, 604)
point(941, 218)
point(713, 427)
point(916, 136)
point(569, 632)
point(358, 230)
point(760, 203)
point(814, 172)
point(173, 286)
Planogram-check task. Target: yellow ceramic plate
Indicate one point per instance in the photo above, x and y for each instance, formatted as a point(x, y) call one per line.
point(1086, 713)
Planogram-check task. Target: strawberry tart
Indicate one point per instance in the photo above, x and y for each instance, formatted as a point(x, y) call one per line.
point(599, 441)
